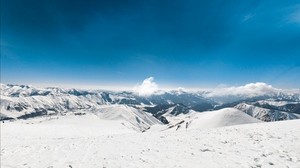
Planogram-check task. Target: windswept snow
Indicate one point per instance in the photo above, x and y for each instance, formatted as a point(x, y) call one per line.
point(86, 143)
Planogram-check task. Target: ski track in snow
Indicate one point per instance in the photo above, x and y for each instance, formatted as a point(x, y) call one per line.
point(275, 144)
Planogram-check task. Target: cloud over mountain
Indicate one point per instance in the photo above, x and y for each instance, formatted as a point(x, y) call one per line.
point(251, 89)
point(147, 88)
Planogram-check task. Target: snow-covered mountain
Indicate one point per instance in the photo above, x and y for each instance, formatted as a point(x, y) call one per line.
point(18, 101)
point(139, 120)
point(265, 103)
point(94, 128)
point(265, 114)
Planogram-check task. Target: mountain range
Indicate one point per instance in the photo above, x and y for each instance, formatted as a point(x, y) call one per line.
point(19, 102)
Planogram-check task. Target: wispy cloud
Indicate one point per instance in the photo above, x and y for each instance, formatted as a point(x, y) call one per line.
point(7, 52)
point(248, 17)
point(294, 16)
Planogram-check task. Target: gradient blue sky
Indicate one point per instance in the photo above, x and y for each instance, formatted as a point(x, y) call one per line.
point(188, 43)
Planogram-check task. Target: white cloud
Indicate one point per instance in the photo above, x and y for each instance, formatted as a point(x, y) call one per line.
point(147, 88)
point(249, 90)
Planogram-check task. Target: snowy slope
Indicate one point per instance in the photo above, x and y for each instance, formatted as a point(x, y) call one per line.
point(220, 118)
point(68, 126)
point(79, 144)
point(211, 119)
point(138, 119)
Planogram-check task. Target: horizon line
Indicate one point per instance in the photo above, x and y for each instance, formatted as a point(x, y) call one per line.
point(133, 87)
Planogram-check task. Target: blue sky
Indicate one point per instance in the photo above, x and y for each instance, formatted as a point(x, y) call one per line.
point(180, 43)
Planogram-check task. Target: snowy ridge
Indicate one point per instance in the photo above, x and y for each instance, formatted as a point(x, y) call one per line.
point(266, 114)
point(24, 101)
point(140, 120)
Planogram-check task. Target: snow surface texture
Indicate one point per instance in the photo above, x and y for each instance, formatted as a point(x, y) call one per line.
point(88, 141)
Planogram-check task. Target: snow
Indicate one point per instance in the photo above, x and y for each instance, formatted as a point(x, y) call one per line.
point(95, 129)
point(266, 114)
point(64, 126)
point(140, 120)
point(89, 141)
point(212, 119)
point(220, 118)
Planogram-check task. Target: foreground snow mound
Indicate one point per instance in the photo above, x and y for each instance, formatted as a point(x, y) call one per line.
point(210, 119)
point(58, 144)
point(221, 118)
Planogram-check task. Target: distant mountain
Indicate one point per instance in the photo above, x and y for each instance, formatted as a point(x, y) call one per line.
point(24, 101)
point(265, 114)
point(139, 120)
